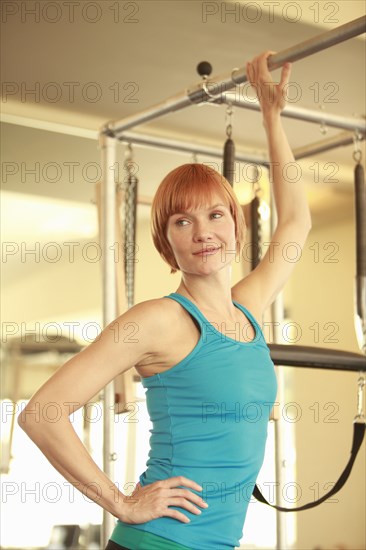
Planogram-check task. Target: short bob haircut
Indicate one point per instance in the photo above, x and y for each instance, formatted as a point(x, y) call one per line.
point(188, 187)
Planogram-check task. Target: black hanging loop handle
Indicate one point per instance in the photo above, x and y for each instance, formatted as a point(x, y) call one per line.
point(358, 435)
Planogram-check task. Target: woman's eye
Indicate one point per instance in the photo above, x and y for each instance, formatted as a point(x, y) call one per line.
point(181, 222)
point(218, 214)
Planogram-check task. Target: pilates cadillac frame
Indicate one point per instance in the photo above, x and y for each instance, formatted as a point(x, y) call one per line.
point(216, 91)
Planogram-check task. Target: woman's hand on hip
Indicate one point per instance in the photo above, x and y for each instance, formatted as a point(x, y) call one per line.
point(154, 500)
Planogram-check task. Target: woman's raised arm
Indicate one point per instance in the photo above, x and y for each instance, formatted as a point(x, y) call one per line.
point(293, 213)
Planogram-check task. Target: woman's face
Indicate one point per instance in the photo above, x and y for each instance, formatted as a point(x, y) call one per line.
point(203, 239)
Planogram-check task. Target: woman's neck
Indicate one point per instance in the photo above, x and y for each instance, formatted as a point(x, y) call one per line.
point(210, 293)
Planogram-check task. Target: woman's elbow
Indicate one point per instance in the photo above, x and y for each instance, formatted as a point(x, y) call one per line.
point(309, 225)
point(304, 220)
point(37, 416)
point(29, 418)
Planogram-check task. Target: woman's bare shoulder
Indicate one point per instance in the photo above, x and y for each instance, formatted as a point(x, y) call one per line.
point(152, 314)
point(154, 305)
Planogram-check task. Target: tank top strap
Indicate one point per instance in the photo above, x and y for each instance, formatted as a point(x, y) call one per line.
point(190, 307)
point(249, 315)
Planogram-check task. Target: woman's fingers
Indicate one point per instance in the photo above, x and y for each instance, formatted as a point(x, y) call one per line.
point(156, 499)
point(270, 95)
point(176, 515)
point(285, 75)
point(259, 67)
point(184, 495)
point(251, 73)
point(181, 480)
point(263, 72)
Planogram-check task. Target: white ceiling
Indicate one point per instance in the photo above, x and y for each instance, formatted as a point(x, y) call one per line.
point(149, 54)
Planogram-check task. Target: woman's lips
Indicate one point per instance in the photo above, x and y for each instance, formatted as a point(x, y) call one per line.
point(207, 251)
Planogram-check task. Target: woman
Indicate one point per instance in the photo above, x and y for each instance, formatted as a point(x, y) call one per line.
point(201, 355)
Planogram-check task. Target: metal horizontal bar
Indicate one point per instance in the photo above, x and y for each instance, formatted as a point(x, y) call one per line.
point(171, 104)
point(198, 94)
point(154, 142)
point(185, 147)
point(299, 51)
point(320, 358)
point(311, 357)
point(300, 113)
point(345, 138)
point(320, 117)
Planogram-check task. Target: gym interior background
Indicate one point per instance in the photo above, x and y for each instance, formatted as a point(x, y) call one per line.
point(68, 68)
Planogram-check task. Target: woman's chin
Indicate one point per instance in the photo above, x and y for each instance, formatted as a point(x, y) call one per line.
point(203, 269)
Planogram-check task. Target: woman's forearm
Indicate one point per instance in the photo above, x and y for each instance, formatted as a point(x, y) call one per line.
point(64, 450)
point(285, 174)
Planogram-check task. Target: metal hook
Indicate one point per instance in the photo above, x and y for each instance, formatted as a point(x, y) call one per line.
point(357, 153)
point(228, 117)
point(207, 92)
point(129, 151)
point(323, 126)
point(235, 70)
point(360, 417)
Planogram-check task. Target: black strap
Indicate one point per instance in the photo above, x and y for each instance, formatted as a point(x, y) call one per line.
point(358, 435)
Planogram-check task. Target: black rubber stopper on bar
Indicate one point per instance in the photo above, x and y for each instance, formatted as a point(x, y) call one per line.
point(204, 68)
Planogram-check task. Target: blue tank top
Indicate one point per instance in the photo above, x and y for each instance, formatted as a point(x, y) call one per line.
point(210, 417)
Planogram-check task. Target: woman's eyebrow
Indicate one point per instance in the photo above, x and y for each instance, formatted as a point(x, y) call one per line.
point(216, 205)
point(209, 208)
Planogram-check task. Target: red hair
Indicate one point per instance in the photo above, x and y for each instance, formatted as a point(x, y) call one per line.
point(186, 187)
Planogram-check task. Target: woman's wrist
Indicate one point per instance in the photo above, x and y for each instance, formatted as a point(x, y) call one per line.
point(115, 503)
point(271, 120)
point(124, 508)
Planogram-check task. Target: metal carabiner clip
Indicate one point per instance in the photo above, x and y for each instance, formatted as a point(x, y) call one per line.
point(360, 417)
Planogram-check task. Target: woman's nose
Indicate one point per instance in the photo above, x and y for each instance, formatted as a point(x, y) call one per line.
point(202, 232)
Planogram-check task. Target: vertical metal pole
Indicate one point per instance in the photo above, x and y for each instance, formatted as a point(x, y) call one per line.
point(108, 200)
point(281, 519)
point(277, 315)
